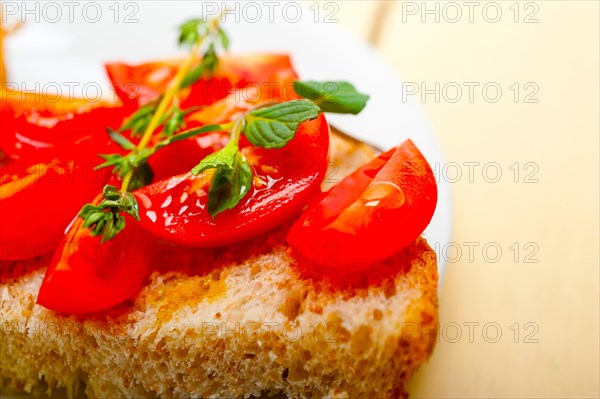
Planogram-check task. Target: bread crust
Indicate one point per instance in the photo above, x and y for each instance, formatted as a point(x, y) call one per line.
point(231, 322)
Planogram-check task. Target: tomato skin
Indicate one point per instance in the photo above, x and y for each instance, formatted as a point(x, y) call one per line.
point(284, 181)
point(86, 276)
point(144, 82)
point(38, 129)
point(47, 171)
point(36, 213)
point(371, 214)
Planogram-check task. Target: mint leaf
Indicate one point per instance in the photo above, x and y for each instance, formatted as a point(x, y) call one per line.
point(224, 158)
point(335, 97)
point(231, 181)
point(276, 125)
point(105, 219)
point(229, 186)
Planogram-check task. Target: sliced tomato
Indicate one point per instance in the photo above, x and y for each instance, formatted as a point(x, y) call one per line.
point(33, 127)
point(285, 180)
point(181, 156)
point(37, 201)
point(144, 82)
point(47, 171)
point(86, 276)
point(371, 214)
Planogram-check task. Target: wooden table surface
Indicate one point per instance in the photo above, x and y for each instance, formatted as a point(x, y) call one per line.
point(542, 134)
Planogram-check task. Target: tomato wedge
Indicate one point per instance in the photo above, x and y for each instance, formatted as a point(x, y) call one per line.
point(86, 276)
point(371, 214)
point(285, 180)
point(47, 171)
point(144, 82)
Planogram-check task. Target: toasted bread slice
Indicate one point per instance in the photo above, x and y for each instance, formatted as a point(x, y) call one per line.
point(232, 322)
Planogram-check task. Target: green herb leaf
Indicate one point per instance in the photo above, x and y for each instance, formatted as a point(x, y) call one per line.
point(335, 97)
point(224, 38)
point(175, 122)
point(191, 31)
point(139, 120)
point(142, 176)
point(135, 162)
point(106, 218)
point(276, 125)
point(128, 162)
point(207, 67)
point(224, 158)
point(121, 140)
point(229, 187)
point(187, 134)
point(231, 181)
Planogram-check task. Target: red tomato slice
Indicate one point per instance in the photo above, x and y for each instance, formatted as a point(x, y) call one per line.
point(47, 170)
point(284, 181)
point(37, 201)
point(34, 128)
point(371, 214)
point(181, 156)
point(144, 82)
point(86, 276)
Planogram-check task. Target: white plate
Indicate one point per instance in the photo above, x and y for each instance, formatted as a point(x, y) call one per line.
point(53, 56)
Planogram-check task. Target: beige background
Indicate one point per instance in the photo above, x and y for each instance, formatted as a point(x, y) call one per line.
point(558, 214)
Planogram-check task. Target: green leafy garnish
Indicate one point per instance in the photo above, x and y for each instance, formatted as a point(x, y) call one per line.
point(223, 37)
point(191, 31)
point(207, 68)
point(229, 187)
point(335, 97)
point(276, 125)
point(225, 158)
point(139, 120)
point(231, 180)
point(135, 162)
point(106, 218)
point(269, 126)
point(121, 140)
point(175, 122)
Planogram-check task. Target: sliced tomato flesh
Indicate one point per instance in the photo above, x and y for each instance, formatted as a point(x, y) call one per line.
point(47, 171)
point(38, 201)
point(285, 179)
point(371, 214)
point(86, 276)
point(32, 127)
point(144, 82)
